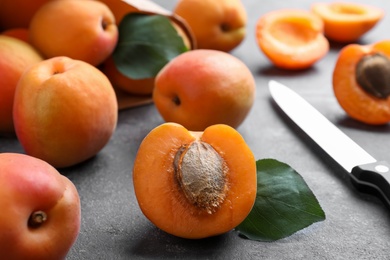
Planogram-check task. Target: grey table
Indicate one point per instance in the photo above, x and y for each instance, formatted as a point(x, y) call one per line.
point(357, 225)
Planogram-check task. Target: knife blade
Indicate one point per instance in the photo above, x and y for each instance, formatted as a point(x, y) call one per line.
point(368, 174)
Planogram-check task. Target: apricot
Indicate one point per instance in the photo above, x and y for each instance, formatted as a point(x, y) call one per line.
point(346, 22)
point(291, 39)
point(41, 209)
point(203, 87)
point(361, 82)
point(82, 30)
point(195, 184)
point(65, 111)
point(218, 25)
point(15, 56)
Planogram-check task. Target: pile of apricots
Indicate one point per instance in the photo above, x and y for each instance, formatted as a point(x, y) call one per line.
point(60, 95)
point(60, 92)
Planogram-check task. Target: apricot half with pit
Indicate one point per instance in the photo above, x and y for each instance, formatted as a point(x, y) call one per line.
point(361, 82)
point(195, 184)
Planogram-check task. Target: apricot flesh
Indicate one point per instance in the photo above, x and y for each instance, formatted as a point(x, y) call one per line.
point(164, 202)
point(346, 22)
point(291, 39)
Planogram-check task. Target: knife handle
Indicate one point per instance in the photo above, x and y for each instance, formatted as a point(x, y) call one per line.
point(373, 178)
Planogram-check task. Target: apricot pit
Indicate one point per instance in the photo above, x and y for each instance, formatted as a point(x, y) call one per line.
point(373, 74)
point(201, 175)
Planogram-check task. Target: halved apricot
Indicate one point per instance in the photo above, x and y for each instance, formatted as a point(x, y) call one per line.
point(361, 82)
point(195, 184)
point(346, 21)
point(291, 39)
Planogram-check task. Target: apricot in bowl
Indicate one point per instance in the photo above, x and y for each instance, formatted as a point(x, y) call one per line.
point(195, 184)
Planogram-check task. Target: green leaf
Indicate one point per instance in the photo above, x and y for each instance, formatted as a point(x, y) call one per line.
point(146, 43)
point(284, 203)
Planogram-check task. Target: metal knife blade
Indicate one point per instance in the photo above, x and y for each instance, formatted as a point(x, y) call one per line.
point(367, 173)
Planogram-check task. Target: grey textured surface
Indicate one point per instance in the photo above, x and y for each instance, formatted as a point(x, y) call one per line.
point(357, 225)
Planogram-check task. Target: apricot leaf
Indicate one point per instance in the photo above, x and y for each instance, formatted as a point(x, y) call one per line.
point(146, 43)
point(284, 203)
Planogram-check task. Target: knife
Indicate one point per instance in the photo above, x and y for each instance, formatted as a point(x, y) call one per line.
point(367, 174)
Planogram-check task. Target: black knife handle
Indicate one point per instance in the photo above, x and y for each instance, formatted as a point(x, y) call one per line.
point(373, 178)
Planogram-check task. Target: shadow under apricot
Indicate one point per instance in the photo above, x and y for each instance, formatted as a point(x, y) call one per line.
point(273, 71)
point(336, 46)
point(157, 244)
point(349, 122)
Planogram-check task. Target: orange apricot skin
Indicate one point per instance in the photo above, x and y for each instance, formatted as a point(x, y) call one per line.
point(346, 22)
point(292, 39)
point(356, 102)
point(65, 111)
point(158, 192)
point(15, 56)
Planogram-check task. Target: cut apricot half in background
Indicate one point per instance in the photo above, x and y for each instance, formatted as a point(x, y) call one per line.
point(195, 184)
point(291, 39)
point(346, 22)
point(361, 82)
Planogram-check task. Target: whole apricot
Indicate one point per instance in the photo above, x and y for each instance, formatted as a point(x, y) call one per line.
point(65, 111)
point(82, 30)
point(202, 87)
point(219, 25)
point(41, 209)
point(15, 56)
point(195, 184)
